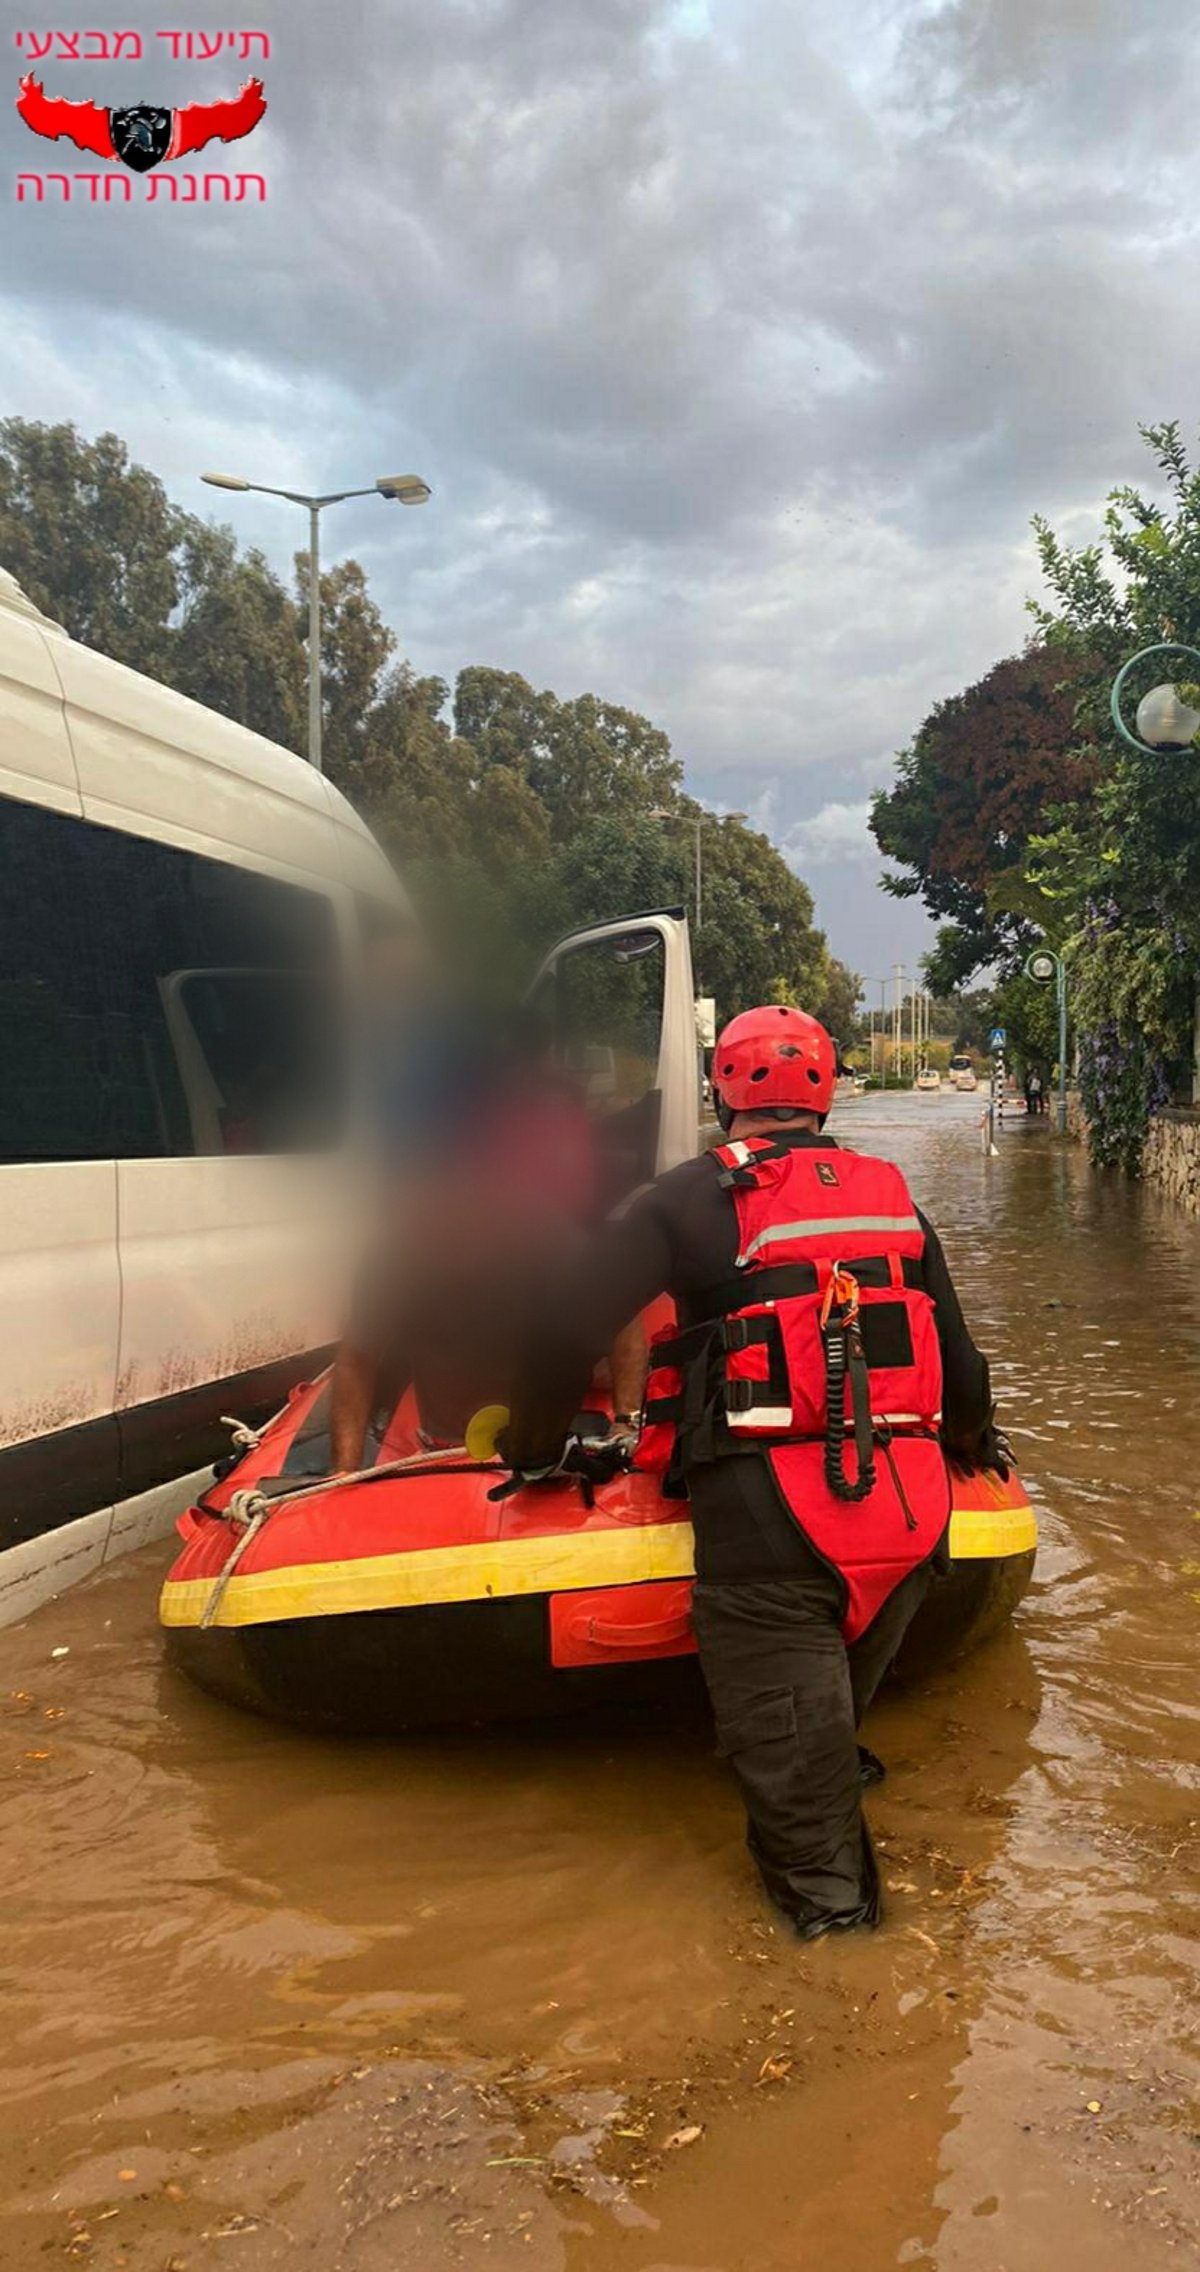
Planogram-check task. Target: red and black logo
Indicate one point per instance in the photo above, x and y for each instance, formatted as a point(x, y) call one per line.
point(144, 134)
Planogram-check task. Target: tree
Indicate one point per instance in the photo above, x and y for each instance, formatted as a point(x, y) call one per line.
point(581, 758)
point(837, 1005)
point(1122, 873)
point(235, 645)
point(92, 539)
point(987, 770)
point(96, 544)
point(518, 817)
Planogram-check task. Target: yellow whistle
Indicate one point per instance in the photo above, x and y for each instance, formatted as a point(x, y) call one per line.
point(483, 1428)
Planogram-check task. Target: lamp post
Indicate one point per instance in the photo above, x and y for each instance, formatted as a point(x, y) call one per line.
point(1165, 725)
point(898, 1022)
point(696, 822)
point(1166, 722)
point(402, 488)
point(882, 984)
point(1043, 966)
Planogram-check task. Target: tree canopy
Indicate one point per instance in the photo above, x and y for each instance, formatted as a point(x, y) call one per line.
point(513, 813)
point(986, 771)
point(1019, 813)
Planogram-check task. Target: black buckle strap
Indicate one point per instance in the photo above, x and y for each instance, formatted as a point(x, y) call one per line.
point(682, 1347)
point(659, 1409)
point(780, 1281)
point(748, 1332)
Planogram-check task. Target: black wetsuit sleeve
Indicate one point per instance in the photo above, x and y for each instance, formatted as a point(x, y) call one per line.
point(622, 1269)
point(966, 1387)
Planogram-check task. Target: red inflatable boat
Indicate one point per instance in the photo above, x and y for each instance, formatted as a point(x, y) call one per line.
point(410, 1596)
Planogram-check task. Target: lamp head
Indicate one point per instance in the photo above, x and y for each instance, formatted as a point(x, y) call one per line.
point(224, 481)
point(404, 488)
point(1165, 721)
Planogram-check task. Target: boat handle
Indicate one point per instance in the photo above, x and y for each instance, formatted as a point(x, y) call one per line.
point(650, 1635)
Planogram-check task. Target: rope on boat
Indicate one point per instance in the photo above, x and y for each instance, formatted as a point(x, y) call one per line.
point(251, 1510)
point(245, 1438)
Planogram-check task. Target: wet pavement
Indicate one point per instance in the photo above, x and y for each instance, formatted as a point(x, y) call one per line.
point(514, 2000)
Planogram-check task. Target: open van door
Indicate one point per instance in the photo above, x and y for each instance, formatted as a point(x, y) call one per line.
point(619, 999)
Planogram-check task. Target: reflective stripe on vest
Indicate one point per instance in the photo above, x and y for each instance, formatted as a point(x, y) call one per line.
point(827, 1227)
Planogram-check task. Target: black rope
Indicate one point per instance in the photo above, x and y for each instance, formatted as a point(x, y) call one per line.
point(844, 1360)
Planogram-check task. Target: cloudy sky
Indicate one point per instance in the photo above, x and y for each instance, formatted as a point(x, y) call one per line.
point(739, 339)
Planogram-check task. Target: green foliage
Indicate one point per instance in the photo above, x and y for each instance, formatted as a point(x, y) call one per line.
point(1029, 1015)
point(986, 768)
point(515, 818)
point(97, 545)
point(92, 539)
point(1019, 812)
point(1125, 871)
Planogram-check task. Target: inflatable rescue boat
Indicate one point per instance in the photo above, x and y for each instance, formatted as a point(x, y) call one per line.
point(410, 1596)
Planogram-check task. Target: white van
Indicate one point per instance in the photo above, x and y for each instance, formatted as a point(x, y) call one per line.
point(172, 1247)
point(175, 1230)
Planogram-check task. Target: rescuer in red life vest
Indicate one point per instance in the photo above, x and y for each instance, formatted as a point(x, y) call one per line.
point(819, 1374)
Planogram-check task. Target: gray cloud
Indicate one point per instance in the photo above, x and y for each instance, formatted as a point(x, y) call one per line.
point(739, 339)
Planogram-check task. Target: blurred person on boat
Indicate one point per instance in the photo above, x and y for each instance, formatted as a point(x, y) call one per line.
point(817, 1376)
point(418, 1046)
point(502, 1183)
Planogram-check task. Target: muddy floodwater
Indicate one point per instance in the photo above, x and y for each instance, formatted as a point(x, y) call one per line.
point(515, 2000)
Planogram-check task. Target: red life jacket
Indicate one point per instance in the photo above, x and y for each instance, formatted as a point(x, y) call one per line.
point(828, 1312)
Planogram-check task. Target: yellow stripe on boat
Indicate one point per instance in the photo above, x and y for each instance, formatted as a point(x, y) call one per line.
point(505, 1567)
point(508, 1567)
point(991, 1534)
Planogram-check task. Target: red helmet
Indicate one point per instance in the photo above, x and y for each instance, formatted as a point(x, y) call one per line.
point(774, 1056)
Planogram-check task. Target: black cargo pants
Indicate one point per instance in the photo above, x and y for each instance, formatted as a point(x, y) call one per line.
point(788, 1696)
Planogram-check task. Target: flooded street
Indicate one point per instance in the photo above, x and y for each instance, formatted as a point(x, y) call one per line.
point(516, 2000)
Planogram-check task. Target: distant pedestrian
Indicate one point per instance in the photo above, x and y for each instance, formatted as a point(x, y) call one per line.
point(1035, 1100)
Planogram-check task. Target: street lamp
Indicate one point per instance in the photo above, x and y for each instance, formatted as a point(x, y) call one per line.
point(1044, 967)
point(400, 488)
point(696, 821)
point(1164, 722)
point(882, 984)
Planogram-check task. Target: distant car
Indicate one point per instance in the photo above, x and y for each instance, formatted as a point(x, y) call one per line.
point(927, 1080)
point(965, 1081)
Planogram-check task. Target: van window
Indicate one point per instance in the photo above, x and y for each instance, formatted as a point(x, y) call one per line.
point(155, 1002)
point(608, 1012)
point(55, 1102)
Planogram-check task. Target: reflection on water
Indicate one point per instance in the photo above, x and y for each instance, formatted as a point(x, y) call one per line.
point(272, 2002)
